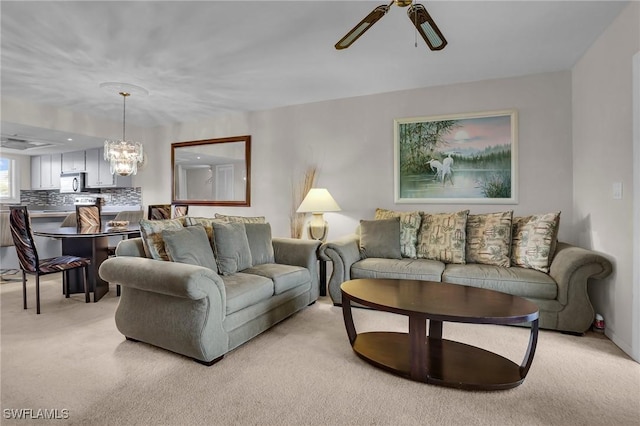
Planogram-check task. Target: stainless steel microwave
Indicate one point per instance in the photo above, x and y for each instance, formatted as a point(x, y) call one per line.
point(71, 183)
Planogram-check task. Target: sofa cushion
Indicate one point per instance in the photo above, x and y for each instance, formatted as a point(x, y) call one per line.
point(380, 238)
point(245, 290)
point(189, 245)
point(409, 226)
point(407, 269)
point(260, 244)
point(516, 281)
point(489, 238)
point(231, 247)
point(241, 219)
point(284, 277)
point(533, 240)
point(442, 236)
point(151, 233)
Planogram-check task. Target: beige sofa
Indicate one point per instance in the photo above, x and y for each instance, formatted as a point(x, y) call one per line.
point(560, 293)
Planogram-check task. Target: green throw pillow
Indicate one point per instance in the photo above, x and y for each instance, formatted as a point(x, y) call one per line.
point(380, 238)
point(409, 226)
point(189, 245)
point(231, 247)
point(260, 245)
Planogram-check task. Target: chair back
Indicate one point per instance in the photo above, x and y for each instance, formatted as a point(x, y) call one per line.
point(131, 216)
point(88, 216)
point(20, 226)
point(159, 211)
point(70, 220)
point(180, 210)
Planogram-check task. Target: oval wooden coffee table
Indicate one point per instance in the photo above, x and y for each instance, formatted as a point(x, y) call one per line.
point(430, 358)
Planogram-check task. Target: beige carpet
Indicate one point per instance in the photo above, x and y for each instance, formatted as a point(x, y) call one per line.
point(301, 372)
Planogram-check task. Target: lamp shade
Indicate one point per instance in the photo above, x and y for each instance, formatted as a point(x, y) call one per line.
point(318, 200)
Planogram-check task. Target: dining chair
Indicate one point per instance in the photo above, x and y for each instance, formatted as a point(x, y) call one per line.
point(70, 220)
point(159, 212)
point(88, 216)
point(180, 210)
point(30, 263)
point(131, 216)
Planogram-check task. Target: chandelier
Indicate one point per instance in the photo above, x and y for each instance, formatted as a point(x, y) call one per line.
point(123, 155)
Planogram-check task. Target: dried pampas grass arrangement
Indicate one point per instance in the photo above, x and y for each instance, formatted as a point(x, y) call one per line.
point(299, 191)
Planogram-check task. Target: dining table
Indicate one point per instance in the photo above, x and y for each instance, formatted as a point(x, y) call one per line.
point(89, 242)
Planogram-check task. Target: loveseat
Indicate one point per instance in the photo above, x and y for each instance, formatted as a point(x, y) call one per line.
point(515, 255)
point(203, 286)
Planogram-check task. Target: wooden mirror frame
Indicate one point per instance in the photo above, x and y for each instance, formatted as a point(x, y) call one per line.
point(211, 143)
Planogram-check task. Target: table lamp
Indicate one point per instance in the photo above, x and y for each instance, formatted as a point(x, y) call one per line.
point(318, 201)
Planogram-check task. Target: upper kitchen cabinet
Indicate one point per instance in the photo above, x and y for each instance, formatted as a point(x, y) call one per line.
point(73, 161)
point(98, 173)
point(45, 171)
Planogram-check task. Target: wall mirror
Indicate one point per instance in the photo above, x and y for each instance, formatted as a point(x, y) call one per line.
point(212, 172)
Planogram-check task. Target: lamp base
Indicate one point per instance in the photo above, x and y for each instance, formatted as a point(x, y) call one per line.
point(318, 228)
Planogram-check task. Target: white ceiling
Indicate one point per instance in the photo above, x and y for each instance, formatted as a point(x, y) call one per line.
point(198, 59)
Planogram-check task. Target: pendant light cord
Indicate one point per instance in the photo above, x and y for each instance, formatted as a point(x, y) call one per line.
point(124, 113)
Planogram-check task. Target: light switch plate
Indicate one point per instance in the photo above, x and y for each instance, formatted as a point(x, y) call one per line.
point(617, 190)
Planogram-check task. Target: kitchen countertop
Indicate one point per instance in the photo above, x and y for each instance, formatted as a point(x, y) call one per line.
point(64, 212)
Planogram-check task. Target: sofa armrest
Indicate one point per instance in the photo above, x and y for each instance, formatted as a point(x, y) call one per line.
point(343, 253)
point(571, 268)
point(168, 278)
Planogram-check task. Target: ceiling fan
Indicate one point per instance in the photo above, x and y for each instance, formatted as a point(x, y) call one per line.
point(418, 15)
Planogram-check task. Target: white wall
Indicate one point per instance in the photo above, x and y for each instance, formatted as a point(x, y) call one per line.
point(602, 155)
point(351, 140)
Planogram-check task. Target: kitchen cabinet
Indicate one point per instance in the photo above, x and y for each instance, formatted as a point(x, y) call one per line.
point(99, 174)
point(45, 171)
point(73, 161)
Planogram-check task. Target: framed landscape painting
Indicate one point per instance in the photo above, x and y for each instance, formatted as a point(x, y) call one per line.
point(465, 158)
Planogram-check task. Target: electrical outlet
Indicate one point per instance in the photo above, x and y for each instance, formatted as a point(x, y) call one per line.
point(617, 190)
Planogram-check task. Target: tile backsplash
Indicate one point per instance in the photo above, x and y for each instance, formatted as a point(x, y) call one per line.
point(53, 198)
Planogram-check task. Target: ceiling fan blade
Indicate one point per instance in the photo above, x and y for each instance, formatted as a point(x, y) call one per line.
point(363, 26)
point(426, 26)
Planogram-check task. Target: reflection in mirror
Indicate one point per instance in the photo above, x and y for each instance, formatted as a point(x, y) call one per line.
point(213, 172)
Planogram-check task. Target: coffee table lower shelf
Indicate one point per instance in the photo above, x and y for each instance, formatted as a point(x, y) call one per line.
point(447, 363)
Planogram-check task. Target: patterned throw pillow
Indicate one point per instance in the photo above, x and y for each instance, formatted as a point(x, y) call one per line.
point(533, 241)
point(409, 226)
point(151, 233)
point(489, 238)
point(442, 237)
point(241, 219)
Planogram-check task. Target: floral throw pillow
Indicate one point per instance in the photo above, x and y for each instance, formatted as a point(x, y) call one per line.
point(489, 238)
point(241, 219)
point(151, 233)
point(442, 237)
point(409, 226)
point(533, 241)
